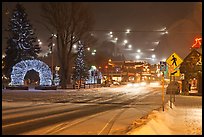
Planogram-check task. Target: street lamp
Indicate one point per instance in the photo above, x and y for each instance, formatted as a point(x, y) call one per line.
point(153, 56)
point(125, 41)
point(137, 56)
point(128, 31)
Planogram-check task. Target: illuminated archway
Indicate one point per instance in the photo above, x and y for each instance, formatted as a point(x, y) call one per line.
point(20, 69)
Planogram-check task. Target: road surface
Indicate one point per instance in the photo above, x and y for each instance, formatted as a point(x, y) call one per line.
point(98, 111)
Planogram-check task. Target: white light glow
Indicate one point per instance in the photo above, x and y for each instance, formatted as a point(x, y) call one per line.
point(143, 84)
point(164, 59)
point(125, 41)
point(74, 46)
point(111, 32)
point(116, 39)
point(128, 31)
point(88, 49)
point(136, 85)
point(20, 69)
point(129, 46)
point(138, 50)
point(153, 56)
point(137, 56)
point(93, 53)
point(40, 42)
point(156, 43)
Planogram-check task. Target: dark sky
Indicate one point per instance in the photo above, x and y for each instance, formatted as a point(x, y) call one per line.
point(182, 20)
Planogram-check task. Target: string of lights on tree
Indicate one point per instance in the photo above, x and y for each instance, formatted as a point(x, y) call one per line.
point(21, 41)
point(80, 71)
point(20, 69)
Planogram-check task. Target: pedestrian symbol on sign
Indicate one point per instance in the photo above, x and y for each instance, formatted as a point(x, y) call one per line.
point(174, 60)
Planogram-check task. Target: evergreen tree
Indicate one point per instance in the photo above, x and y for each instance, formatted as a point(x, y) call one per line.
point(56, 79)
point(21, 40)
point(80, 71)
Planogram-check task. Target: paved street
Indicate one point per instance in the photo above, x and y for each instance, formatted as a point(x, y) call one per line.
point(86, 111)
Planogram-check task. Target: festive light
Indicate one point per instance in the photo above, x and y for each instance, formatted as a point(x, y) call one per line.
point(197, 43)
point(56, 78)
point(94, 74)
point(80, 71)
point(20, 69)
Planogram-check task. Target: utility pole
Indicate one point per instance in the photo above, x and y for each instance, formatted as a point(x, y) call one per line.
point(170, 92)
point(163, 90)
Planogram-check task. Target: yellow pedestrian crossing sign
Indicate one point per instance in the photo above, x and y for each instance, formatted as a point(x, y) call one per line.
point(174, 60)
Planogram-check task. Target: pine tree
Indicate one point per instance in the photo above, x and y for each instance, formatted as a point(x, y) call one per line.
point(21, 40)
point(56, 79)
point(80, 71)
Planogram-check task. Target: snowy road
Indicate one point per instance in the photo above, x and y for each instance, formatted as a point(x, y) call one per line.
point(98, 111)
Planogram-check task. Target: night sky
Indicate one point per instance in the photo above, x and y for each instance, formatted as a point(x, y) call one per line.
point(183, 21)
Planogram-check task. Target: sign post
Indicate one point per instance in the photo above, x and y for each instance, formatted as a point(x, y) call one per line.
point(173, 61)
point(162, 69)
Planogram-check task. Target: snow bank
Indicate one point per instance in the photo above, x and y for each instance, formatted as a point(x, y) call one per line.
point(176, 121)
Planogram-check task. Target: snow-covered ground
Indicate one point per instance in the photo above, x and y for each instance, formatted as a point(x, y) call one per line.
point(119, 108)
point(183, 119)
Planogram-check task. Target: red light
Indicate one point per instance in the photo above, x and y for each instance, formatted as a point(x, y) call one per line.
point(106, 67)
point(197, 43)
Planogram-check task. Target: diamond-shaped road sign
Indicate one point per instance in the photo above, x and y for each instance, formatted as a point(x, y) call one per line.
point(174, 60)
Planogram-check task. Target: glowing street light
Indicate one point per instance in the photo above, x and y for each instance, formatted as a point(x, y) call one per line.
point(40, 42)
point(88, 49)
point(129, 46)
point(153, 56)
point(125, 41)
point(74, 46)
point(138, 50)
point(137, 56)
point(128, 31)
point(116, 39)
point(111, 33)
point(93, 53)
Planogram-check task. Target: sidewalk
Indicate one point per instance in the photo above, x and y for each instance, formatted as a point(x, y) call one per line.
point(184, 119)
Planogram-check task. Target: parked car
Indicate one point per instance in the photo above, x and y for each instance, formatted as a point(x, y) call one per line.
point(174, 86)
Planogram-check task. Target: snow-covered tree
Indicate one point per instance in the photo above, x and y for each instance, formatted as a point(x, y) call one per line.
point(80, 71)
point(21, 43)
point(56, 79)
